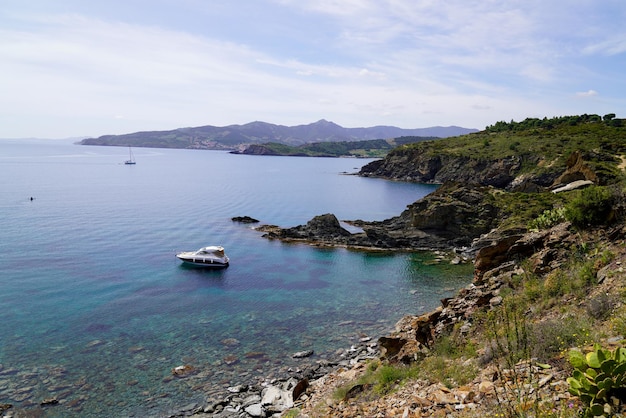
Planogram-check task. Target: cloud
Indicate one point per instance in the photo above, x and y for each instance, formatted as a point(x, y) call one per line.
point(614, 46)
point(588, 93)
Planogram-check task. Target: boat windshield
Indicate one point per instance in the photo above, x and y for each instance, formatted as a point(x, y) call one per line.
point(214, 250)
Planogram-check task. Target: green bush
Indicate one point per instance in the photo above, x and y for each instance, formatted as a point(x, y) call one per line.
point(593, 206)
point(599, 380)
point(547, 219)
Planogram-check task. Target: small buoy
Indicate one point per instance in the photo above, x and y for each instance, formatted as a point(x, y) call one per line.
point(32, 198)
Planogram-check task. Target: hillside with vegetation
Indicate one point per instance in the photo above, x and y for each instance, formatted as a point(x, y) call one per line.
point(235, 137)
point(376, 148)
point(541, 330)
point(532, 155)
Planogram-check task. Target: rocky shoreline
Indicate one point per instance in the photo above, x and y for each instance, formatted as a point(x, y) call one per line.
point(461, 220)
point(464, 218)
point(276, 395)
point(495, 264)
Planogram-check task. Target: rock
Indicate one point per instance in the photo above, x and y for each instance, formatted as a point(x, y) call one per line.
point(442, 398)
point(244, 219)
point(255, 410)
point(237, 389)
point(496, 253)
point(183, 371)
point(355, 390)
point(231, 359)
point(231, 342)
point(410, 164)
point(302, 354)
point(322, 227)
point(450, 217)
point(49, 401)
point(495, 301)
point(577, 170)
point(275, 399)
point(299, 389)
point(573, 186)
point(391, 346)
point(486, 387)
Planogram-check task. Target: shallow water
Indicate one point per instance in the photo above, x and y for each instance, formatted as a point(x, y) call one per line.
point(96, 310)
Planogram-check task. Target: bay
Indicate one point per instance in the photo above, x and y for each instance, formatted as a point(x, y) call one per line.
point(96, 311)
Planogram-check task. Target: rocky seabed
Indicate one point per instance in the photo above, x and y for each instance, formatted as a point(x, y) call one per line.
point(273, 397)
point(265, 397)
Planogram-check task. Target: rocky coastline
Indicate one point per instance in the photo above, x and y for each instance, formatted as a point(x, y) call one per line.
point(450, 218)
point(460, 218)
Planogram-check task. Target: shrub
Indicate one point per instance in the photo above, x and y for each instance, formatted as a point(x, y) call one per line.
point(552, 337)
point(599, 380)
point(388, 376)
point(601, 306)
point(593, 206)
point(547, 219)
point(437, 369)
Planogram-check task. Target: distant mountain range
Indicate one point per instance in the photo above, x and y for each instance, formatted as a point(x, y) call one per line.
point(238, 136)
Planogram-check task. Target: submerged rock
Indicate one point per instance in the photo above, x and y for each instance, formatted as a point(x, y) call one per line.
point(302, 354)
point(183, 371)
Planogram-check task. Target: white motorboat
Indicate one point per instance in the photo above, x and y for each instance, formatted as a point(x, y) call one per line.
point(212, 256)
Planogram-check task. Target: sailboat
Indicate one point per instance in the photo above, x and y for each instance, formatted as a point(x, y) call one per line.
point(131, 159)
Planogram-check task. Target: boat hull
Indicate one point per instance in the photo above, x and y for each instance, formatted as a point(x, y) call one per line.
point(203, 261)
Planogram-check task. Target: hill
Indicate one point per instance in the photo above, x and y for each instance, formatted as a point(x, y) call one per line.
point(367, 149)
point(516, 156)
point(236, 136)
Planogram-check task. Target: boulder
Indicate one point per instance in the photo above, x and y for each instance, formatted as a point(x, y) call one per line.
point(255, 410)
point(573, 186)
point(320, 227)
point(275, 399)
point(302, 354)
point(577, 169)
point(244, 219)
point(183, 371)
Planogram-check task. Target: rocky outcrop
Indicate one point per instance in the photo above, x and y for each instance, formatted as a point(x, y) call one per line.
point(495, 264)
point(322, 228)
point(451, 217)
point(245, 219)
point(417, 166)
point(577, 169)
point(510, 173)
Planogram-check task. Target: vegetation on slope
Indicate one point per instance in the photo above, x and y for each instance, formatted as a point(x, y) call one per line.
point(375, 148)
point(542, 145)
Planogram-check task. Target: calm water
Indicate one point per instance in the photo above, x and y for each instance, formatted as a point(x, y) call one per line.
point(95, 310)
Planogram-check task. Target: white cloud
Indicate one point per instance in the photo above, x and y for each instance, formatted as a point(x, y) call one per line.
point(614, 46)
point(588, 93)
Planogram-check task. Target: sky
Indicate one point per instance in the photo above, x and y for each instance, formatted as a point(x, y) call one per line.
point(78, 68)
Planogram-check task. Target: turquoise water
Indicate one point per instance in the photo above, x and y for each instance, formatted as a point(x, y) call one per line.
point(96, 311)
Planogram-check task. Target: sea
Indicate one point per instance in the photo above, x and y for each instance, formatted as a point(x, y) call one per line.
point(96, 311)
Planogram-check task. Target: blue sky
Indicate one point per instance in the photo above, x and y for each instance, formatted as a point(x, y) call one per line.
point(71, 68)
